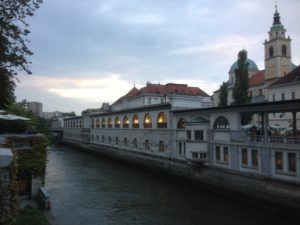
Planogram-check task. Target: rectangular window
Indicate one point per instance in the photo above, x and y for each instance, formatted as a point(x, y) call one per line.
point(293, 95)
point(188, 135)
point(195, 155)
point(218, 153)
point(254, 157)
point(282, 96)
point(260, 92)
point(273, 97)
point(278, 160)
point(180, 148)
point(292, 162)
point(245, 156)
point(198, 134)
point(225, 154)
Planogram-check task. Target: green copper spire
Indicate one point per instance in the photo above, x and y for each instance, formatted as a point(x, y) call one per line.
point(276, 21)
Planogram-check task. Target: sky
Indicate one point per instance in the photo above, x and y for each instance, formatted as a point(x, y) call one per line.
point(94, 51)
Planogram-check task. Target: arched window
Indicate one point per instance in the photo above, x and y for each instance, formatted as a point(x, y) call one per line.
point(125, 141)
point(147, 144)
point(93, 123)
point(271, 52)
point(117, 140)
point(135, 121)
point(109, 122)
point(117, 122)
point(162, 120)
point(125, 122)
point(147, 121)
point(221, 123)
point(161, 146)
point(283, 50)
point(135, 144)
point(97, 123)
point(103, 124)
point(181, 123)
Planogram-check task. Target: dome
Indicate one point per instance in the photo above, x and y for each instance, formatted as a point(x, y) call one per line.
point(251, 67)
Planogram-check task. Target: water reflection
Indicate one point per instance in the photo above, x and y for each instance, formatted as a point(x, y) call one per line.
point(89, 190)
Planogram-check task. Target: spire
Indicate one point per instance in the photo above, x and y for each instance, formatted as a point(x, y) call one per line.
point(276, 16)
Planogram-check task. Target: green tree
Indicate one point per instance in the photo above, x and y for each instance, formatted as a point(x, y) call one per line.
point(13, 40)
point(241, 86)
point(223, 95)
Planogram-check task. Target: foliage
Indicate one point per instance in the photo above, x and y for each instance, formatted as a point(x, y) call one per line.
point(32, 217)
point(241, 86)
point(223, 95)
point(13, 40)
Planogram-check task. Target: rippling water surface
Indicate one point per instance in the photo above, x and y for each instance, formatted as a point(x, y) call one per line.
point(89, 190)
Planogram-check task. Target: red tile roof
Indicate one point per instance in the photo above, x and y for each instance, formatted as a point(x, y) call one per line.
point(257, 79)
point(291, 77)
point(169, 88)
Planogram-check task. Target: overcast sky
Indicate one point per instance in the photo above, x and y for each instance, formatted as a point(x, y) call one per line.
point(93, 51)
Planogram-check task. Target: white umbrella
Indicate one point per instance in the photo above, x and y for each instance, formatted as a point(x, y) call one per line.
point(12, 117)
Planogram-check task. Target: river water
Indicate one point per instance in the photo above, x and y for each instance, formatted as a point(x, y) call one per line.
point(87, 189)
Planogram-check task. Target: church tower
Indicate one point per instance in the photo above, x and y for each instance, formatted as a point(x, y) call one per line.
point(278, 61)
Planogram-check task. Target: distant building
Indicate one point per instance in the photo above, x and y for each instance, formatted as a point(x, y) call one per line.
point(36, 108)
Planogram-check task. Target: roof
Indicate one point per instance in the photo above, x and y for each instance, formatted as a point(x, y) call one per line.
point(251, 66)
point(170, 88)
point(257, 79)
point(291, 77)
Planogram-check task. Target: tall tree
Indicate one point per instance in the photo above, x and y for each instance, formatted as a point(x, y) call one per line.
point(13, 48)
point(223, 94)
point(241, 86)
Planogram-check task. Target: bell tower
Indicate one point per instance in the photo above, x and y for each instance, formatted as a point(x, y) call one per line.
point(278, 61)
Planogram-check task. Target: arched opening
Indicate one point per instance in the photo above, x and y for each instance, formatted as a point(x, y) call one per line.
point(135, 121)
point(283, 50)
point(221, 123)
point(147, 121)
point(181, 123)
point(103, 124)
point(162, 120)
point(125, 122)
point(147, 144)
point(117, 122)
point(271, 52)
point(161, 146)
point(97, 123)
point(109, 122)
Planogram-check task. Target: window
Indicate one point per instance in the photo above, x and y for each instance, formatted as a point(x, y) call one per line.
point(147, 121)
point(93, 123)
point(97, 123)
point(245, 157)
point(117, 140)
point(203, 155)
point(103, 123)
point(117, 122)
point(109, 139)
point(278, 160)
point(103, 139)
point(195, 155)
point(188, 134)
point(293, 95)
point(273, 97)
point(221, 123)
point(161, 146)
point(109, 122)
point(283, 49)
point(125, 122)
point(125, 141)
point(180, 148)
point(254, 157)
point(198, 134)
point(135, 144)
point(271, 52)
point(147, 144)
point(225, 154)
point(162, 120)
point(292, 162)
point(135, 121)
point(181, 123)
point(260, 92)
point(282, 96)
point(218, 153)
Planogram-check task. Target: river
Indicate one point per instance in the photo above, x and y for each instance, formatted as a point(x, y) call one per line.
point(87, 189)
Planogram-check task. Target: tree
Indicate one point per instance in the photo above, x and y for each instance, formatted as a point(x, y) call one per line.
point(7, 88)
point(241, 86)
point(13, 48)
point(223, 95)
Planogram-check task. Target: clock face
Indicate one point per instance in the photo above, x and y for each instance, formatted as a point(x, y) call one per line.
point(284, 61)
point(270, 63)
